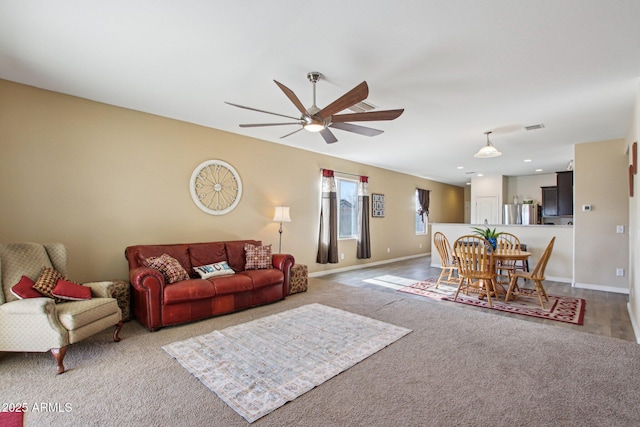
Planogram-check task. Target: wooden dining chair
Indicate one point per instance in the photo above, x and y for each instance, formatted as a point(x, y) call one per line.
point(449, 274)
point(505, 268)
point(536, 276)
point(475, 266)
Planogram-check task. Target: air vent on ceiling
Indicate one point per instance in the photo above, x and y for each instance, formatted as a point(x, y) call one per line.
point(534, 127)
point(362, 107)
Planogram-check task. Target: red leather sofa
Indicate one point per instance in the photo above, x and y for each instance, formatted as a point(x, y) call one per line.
point(157, 304)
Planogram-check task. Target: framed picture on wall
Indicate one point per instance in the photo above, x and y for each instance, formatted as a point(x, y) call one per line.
point(377, 205)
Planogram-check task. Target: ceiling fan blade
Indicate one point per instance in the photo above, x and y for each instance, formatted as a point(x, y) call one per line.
point(361, 130)
point(355, 95)
point(289, 134)
point(370, 116)
point(293, 98)
point(262, 111)
point(328, 136)
point(255, 125)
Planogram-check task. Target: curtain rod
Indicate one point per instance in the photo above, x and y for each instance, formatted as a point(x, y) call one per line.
point(343, 173)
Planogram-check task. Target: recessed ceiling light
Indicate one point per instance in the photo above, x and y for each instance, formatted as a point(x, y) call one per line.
point(480, 174)
point(527, 160)
point(538, 170)
point(460, 167)
point(468, 183)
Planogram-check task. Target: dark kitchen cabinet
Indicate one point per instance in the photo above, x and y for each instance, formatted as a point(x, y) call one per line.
point(565, 193)
point(549, 201)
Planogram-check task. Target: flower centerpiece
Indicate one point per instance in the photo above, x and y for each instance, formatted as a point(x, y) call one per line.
point(488, 234)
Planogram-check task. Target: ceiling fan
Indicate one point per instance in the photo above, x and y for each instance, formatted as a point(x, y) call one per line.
point(319, 120)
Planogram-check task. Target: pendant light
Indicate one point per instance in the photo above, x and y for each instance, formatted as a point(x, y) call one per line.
point(488, 150)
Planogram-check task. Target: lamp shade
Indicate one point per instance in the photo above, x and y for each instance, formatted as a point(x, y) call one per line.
point(488, 150)
point(282, 214)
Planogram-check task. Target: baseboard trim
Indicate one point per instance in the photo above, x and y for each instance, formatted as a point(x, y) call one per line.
point(369, 264)
point(634, 325)
point(601, 288)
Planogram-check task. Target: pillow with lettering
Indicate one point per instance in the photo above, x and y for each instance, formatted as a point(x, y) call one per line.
point(216, 269)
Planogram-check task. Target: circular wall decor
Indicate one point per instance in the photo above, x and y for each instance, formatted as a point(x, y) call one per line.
point(215, 187)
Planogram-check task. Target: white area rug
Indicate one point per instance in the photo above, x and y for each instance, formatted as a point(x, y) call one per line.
point(258, 366)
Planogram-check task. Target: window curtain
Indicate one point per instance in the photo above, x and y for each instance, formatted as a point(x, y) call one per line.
point(423, 201)
point(328, 239)
point(364, 239)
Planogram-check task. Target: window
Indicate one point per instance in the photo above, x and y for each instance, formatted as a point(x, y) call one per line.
point(347, 208)
point(421, 219)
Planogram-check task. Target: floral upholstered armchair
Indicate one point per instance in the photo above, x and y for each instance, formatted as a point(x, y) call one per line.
point(32, 322)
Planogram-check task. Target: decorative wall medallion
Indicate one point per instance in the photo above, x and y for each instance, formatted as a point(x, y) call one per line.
point(215, 187)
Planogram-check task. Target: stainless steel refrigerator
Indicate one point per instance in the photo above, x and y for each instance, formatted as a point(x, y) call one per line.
point(526, 214)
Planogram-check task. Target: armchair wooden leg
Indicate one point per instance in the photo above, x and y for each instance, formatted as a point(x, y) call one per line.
point(116, 338)
point(58, 354)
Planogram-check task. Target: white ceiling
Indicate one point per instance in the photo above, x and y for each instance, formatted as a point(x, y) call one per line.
point(458, 67)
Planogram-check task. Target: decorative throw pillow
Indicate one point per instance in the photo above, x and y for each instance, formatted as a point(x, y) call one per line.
point(47, 281)
point(257, 257)
point(24, 289)
point(216, 269)
point(68, 290)
point(169, 267)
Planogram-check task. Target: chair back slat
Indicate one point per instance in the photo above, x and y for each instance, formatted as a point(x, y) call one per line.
point(444, 250)
point(538, 271)
point(473, 256)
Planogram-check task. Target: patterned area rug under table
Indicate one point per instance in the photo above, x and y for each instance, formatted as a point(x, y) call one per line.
point(559, 308)
point(258, 366)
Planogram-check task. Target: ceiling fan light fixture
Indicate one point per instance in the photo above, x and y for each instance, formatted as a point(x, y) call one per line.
point(314, 126)
point(488, 150)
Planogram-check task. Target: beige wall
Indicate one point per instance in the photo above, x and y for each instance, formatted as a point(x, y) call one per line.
point(528, 187)
point(100, 178)
point(600, 180)
point(634, 230)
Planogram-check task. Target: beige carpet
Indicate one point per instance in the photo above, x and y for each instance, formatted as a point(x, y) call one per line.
point(458, 367)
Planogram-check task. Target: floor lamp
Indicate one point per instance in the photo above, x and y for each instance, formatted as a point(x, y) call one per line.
point(281, 215)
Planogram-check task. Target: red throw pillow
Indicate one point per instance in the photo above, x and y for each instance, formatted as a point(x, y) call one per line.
point(67, 290)
point(24, 289)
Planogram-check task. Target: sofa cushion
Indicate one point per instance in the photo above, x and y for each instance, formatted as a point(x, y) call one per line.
point(257, 257)
point(262, 278)
point(71, 291)
point(20, 259)
point(188, 290)
point(207, 253)
point(231, 284)
point(235, 253)
point(169, 267)
point(180, 252)
point(216, 269)
point(76, 314)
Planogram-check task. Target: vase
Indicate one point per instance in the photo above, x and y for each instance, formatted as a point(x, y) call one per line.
point(493, 242)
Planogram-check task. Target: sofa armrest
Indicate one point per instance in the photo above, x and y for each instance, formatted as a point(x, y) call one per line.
point(147, 285)
point(101, 289)
point(284, 262)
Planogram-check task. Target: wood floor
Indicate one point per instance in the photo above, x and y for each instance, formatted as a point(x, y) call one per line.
point(605, 313)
